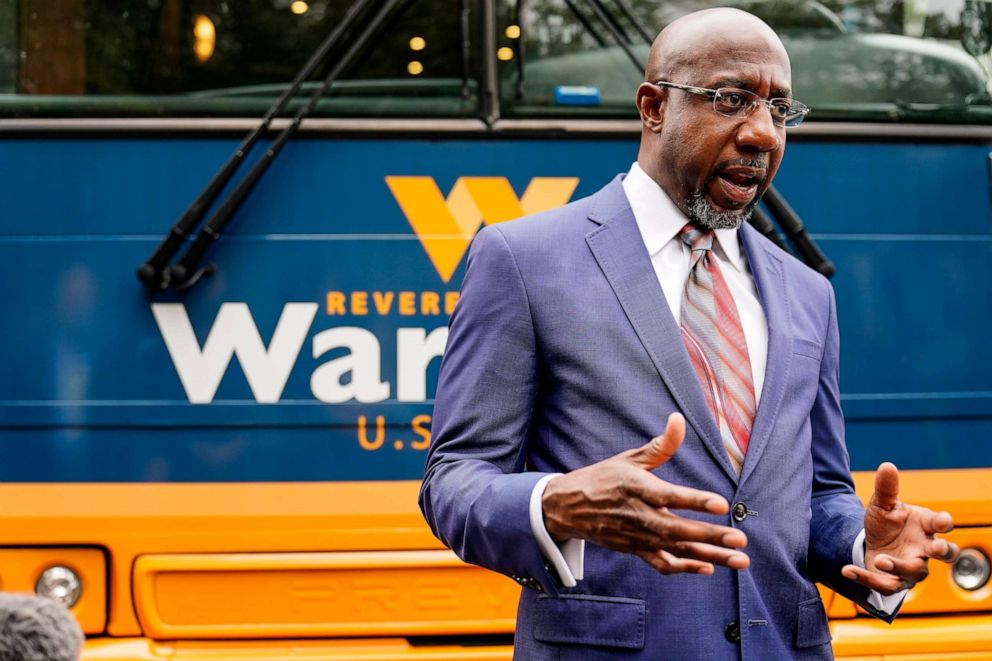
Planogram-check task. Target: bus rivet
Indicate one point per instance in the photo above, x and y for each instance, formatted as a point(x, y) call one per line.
point(61, 584)
point(971, 569)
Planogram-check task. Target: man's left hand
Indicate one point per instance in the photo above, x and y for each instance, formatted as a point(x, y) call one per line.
point(899, 538)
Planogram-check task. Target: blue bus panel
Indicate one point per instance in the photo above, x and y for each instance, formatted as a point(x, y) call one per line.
point(330, 304)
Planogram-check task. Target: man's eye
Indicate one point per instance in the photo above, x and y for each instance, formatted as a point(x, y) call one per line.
point(732, 99)
point(781, 108)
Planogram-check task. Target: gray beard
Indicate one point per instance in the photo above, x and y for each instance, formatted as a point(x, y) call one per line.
point(703, 213)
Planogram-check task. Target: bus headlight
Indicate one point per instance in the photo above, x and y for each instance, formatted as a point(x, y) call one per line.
point(61, 584)
point(971, 569)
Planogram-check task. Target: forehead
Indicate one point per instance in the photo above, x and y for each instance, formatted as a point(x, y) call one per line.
point(753, 63)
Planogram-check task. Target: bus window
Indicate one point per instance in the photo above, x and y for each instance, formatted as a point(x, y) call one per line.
point(221, 58)
point(919, 60)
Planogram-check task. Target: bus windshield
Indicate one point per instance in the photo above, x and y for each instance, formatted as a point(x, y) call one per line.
point(853, 60)
point(912, 60)
point(215, 58)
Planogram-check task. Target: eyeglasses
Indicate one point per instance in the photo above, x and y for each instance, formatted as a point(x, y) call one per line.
point(733, 102)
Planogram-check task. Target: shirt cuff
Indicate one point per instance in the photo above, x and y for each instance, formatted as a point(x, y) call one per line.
point(886, 605)
point(567, 558)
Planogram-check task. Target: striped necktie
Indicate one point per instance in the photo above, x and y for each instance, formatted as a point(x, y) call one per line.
point(712, 332)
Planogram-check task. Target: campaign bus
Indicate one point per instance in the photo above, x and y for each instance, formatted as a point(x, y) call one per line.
point(222, 460)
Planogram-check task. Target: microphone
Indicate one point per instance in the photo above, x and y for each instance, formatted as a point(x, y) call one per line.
point(37, 629)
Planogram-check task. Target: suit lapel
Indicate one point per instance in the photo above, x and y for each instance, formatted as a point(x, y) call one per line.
point(773, 292)
point(619, 250)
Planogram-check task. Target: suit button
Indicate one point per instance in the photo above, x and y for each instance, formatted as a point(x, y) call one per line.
point(733, 632)
point(739, 512)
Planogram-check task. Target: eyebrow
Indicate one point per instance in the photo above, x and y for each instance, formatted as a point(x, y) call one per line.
point(778, 92)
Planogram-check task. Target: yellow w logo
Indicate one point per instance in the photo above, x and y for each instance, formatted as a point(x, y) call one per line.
point(446, 227)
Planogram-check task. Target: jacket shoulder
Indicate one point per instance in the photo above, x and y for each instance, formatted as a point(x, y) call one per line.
point(795, 269)
point(562, 223)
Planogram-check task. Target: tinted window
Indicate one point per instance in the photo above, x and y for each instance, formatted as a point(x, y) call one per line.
point(222, 57)
point(884, 60)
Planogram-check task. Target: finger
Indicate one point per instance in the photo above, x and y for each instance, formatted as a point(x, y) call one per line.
point(660, 449)
point(670, 528)
point(886, 486)
point(941, 549)
point(681, 565)
point(884, 583)
point(658, 493)
point(664, 567)
point(668, 563)
point(712, 554)
point(912, 570)
point(934, 522)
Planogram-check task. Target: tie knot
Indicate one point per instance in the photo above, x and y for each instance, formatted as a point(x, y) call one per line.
point(696, 237)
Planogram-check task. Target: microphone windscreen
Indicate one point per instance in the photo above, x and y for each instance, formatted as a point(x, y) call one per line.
point(34, 628)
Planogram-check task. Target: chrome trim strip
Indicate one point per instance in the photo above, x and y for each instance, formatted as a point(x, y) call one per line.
point(619, 127)
point(809, 129)
point(242, 125)
point(629, 126)
point(872, 130)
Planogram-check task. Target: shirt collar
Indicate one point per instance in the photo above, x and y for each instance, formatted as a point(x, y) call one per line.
point(659, 220)
point(730, 243)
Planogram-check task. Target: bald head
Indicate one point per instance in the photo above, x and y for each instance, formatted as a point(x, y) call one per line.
point(706, 37)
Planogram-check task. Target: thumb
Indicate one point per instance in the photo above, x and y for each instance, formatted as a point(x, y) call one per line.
point(660, 449)
point(886, 494)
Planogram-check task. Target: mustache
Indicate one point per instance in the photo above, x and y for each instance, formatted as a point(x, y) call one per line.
point(756, 162)
point(753, 163)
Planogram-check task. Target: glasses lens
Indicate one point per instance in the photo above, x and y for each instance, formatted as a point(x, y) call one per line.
point(796, 114)
point(781, 110)
point(733, 102)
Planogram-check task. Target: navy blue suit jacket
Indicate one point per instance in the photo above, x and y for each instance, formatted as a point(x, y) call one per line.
point(563, 352)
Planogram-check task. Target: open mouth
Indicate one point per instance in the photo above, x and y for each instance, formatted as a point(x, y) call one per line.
point(738, 184)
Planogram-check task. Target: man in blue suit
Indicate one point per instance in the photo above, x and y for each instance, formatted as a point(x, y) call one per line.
point(581, 330)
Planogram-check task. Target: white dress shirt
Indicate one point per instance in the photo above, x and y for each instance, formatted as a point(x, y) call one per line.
point(659, 222)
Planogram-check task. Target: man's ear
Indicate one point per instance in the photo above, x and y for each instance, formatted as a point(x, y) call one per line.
point(651, 101)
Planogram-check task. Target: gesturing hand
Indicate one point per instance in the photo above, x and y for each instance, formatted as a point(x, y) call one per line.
point(899, 538)
point(619, 504)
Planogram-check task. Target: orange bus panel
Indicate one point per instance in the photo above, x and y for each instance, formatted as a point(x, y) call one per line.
point(20, 569)
point(386, 593)
point(935, 638)
point(140, 649)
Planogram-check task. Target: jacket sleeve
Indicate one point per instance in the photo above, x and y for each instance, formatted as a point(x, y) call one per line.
point(476, 491)
point(837, 513)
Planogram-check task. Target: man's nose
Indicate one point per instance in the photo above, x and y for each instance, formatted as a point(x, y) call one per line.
point(758, 132)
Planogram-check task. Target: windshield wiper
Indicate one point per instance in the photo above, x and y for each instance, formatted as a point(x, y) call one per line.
point(187, 271)
point(153, 272)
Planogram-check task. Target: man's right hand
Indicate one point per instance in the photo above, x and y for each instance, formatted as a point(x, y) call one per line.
point(619, 504)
